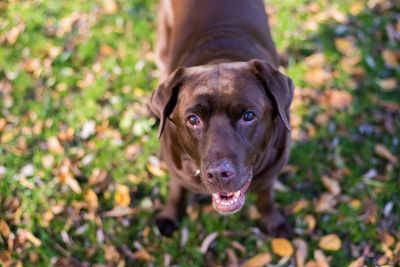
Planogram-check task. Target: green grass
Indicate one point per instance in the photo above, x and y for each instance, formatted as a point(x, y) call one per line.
point(65, 63)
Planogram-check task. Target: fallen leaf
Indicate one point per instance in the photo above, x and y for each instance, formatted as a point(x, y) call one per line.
point(207, 242)
point(232, 258)
point(356, 8)
point(330, 242)
point(344, 45)
point(4, 229)
point(337, 99)
point(258, 260)
point(311, 223)
point(320, 258)
point(301, 251)
point(54, 146)
point(331, 184)
point(358, 262)
point(119, 212)
point(253, 212)
point(388, 85)
point(311, 264)
point(91, 199)
point(184, 236)
point(387, 238)
point(143, 255)
point(111, 253)
point(390, 57)
point(282, 247)
point(122, 197)
point(385, 153)
point(26, 235)
point(325, 203)
point(317, 77)
point(299, 205)
point(110, 7)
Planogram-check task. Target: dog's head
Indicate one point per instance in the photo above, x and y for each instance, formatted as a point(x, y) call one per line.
point(225, 115)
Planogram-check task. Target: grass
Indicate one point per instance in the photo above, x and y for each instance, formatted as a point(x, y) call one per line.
point(77, 141)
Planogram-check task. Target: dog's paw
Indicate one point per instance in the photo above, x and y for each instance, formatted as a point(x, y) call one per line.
point(166, 225)
point(275, 224)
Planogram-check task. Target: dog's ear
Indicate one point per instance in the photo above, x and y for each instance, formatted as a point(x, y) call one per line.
point(164, 98)
point(278, 87)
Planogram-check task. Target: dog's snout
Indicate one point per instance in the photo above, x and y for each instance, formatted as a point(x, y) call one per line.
point(221, 171)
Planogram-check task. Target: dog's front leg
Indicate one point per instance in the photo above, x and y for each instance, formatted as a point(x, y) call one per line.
point(168, 219)
point(273, 221)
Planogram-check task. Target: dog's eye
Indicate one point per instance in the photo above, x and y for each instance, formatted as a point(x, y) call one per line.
point(193, 120)
point(248, 116)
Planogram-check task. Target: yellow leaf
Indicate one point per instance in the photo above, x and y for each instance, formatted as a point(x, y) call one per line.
point(311, 222)
point(91, 199)
point(282, 247)
point(299, 205)
point(156, 171)
point(330, 242)
point(356, 8)
point(383, 152)
point(122, 197)
point(344, 45)
point(258, 260)
point(355, 203)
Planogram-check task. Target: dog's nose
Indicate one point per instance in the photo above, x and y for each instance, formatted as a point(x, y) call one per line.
point(222, 171)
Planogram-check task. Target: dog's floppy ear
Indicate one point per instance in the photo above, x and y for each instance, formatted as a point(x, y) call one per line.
point(278, 86)
point(164, 98)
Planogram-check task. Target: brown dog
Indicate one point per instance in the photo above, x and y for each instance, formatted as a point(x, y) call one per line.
point(223, 106)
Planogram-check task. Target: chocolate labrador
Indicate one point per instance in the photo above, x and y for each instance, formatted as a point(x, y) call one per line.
point(223, 107)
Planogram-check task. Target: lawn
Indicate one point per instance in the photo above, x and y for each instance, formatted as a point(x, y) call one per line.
point(80, 174)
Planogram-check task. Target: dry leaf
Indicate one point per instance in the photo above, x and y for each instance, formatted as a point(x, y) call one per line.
point(356, 8)
point(111, 253)
point(390, 57)
point(320, 258)
point(26, 235)
point(338, 99)
point(325, 203)
point(330, 242)
point(122, 197)
point(110, 7)
point(311, 223)
point(232, 258)
point(388, 85)
point(282, 247)
point(385, 153)
point(143, 255)
point(358, 262)
point(54, 146)
point(387, 238)
point(331, 184)
point(301, 251)
point(258, 260)
point(311, 264)
point(91, 199)
point(344, 45)
point(317, 77)
point(299, 205)
point(119, 212)
point(4, 229)
point(207, 242)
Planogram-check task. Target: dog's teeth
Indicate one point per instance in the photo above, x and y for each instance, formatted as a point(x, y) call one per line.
point(237, 193)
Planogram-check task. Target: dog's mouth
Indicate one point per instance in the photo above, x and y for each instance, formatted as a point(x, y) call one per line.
point(230, 202)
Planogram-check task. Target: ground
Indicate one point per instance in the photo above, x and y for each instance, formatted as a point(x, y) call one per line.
point(80, 175)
